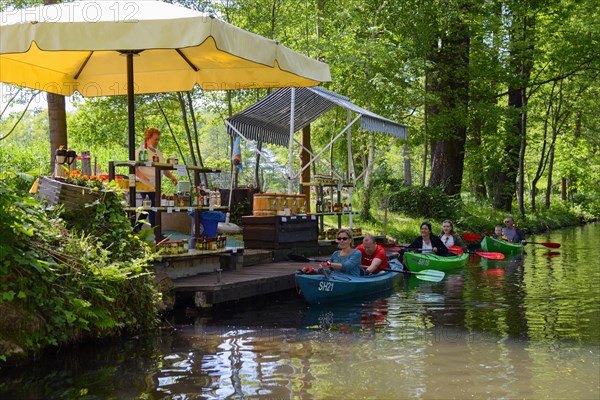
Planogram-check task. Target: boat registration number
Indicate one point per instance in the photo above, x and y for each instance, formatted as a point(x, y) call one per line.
point(325, 286)
point(423, 262)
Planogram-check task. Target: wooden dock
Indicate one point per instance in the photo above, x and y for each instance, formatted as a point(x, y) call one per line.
point(255, 280)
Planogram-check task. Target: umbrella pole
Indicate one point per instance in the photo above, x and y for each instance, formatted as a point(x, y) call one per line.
point(131, 127)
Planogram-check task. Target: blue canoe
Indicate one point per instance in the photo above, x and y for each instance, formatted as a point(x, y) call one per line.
point(327, 289)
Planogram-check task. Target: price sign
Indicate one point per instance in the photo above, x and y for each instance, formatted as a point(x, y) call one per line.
point(169, 210)
point(180, 170)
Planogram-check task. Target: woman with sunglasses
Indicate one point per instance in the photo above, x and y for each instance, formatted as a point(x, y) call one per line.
point(449, 236)
point(346, 259)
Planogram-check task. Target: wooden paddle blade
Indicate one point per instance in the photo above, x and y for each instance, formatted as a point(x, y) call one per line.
point(430, 275)
point(456, 250)
point(471, 237)
point(550, 245)
point(490, 254)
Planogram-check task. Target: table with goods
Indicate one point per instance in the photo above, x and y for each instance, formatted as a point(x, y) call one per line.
point(192, 199)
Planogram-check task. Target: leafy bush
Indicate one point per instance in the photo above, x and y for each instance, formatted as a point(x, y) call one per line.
point(59, 283)
point(587, 206)
point(425, 201)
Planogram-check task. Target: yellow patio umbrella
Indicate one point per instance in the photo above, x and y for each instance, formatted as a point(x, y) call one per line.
point(110, 48)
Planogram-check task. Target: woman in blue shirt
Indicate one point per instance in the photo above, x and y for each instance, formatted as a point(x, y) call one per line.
point(346, 259)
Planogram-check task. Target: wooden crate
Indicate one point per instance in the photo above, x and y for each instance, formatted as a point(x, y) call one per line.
point(279, 232)
point(72, 197)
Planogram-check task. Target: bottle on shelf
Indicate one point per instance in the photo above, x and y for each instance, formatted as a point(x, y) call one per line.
point(164, 202)
point(147, 203)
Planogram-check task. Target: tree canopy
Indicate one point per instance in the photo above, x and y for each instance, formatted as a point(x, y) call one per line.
point(501, 96)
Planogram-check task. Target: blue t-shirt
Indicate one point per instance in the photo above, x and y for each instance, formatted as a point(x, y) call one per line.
point(350, 263)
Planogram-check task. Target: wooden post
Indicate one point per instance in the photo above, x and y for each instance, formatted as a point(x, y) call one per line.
point(304, 160)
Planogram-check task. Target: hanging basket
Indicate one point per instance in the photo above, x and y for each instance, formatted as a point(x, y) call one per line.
point(72, 197)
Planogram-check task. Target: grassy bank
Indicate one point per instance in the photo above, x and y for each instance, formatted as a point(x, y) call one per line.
point(476, 217)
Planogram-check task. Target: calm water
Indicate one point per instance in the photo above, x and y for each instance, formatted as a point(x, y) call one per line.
point(521, 328)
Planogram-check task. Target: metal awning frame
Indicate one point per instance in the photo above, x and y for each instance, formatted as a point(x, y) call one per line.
point(369, 121)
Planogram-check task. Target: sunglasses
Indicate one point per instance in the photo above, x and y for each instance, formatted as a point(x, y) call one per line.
point(506, 222)
point(342, 238)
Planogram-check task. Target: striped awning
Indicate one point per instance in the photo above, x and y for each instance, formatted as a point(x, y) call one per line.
point(269, 119)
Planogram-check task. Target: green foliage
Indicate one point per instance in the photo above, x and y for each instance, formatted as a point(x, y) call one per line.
point(61, 283)
point(429, 202)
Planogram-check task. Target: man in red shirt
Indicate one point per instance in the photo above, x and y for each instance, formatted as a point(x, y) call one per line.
point(373, 255)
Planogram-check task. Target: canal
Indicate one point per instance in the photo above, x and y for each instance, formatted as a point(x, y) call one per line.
point(527, 327)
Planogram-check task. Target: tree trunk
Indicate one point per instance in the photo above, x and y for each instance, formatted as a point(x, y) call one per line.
point(57, 118)
point(195, 127)
point(406, 158)
point(426, 111)
point(478, 175)
point(57, 121)
point(447, 154)
point(549, 185)
point(257, 180)
point(366, 205)
point(186, 126)
point(521, 60)
point(304, 160)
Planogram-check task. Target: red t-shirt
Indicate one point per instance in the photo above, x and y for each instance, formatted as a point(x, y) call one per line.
point(379, 253)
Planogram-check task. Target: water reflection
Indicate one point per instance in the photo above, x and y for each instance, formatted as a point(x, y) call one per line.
point(525, 327)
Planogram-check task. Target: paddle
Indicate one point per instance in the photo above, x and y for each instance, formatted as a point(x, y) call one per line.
point(471, 237)
point(425, 275)
point(550, 245)
point(485, 254)
point(295, 257)
point(430, 275)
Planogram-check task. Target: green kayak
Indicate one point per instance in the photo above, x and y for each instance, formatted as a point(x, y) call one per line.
point(417, 261)
point(501, 246)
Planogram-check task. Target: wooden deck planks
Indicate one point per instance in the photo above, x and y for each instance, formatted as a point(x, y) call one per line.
point(247, 276)
point(256, 280)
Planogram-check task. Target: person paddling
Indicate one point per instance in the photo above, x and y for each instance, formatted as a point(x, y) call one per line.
point(373, 255)
point(449, 236)
point(426, 243)
point(513, 234)
point(346, 259)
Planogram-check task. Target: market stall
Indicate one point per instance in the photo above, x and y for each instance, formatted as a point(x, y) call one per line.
point(277, 117)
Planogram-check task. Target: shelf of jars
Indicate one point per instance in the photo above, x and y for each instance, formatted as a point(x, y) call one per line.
point(194, 198)
point(329, 200)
